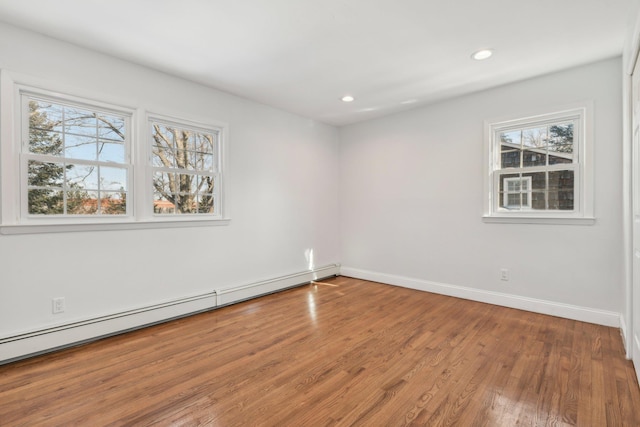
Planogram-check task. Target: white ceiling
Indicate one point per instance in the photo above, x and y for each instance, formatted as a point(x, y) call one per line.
point(303, 55)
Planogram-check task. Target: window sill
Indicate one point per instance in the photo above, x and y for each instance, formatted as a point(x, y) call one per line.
point(111, 226)
point(538, 220)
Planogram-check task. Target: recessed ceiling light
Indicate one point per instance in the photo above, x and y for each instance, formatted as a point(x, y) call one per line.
point(347, 98)
point(482, 54)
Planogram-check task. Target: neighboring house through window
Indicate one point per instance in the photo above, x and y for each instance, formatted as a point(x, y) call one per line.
point(516, 192)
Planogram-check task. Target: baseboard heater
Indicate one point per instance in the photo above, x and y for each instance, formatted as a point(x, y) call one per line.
point(235, 294)
point(32, 343)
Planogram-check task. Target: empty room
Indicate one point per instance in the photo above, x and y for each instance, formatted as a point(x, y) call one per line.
point(312, 213)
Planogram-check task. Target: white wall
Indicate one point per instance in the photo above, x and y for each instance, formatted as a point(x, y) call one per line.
point(282, 194)
point(412, 202)
point(402, 194)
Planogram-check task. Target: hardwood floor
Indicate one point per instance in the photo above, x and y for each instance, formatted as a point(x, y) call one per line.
point(343, 352)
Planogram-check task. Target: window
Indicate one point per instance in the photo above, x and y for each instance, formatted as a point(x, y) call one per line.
point(75, 159)
point(539, 169)
point(185, 162)
point(73, 164)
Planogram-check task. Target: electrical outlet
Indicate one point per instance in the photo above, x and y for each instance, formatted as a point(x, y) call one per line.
point(504, 274)
point(58, 305)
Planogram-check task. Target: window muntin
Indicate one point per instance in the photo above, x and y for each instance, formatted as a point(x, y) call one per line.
point(186, 169)
point(537, 166)
point(75, 159)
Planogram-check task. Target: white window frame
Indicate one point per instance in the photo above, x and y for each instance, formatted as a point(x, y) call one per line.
point(219, 129)
point(27, 94)
point(583, 212)
point(139, 199)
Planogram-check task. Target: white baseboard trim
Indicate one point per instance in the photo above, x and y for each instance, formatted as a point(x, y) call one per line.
point(625, 341)
point(568, 311)
point(35, 342)
point(235, 294)
point(30, 343)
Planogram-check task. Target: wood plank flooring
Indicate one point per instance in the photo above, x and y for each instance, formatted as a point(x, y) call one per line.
point(339, 353)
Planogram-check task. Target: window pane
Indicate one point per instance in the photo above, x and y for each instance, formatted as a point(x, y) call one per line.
point(513, 200)
point(190, 140)
point(513, 186)
point(111, 127)
point(205, 143)
point(195, 160)
point(181, 138)
point(80, 147)
point(205, 203)
point(113, 179)
point(81, 202)
point(163, 157)
point(163, 136)
point(165, 187)
point(44, 128)
point(561, 143)
point(538, 200)
point(45, 202)
point(559, 158)
point(187, 188)
point(205, 184)
point(187, 184)
point(163, 204)
point(45, 115)
point(198, 141)
point(561, 138)
point(111, 152)
point(184, 159)
point(186, 203)
point(45, 142)
point(82, 177)
point(203, 162)
point(565, 200)
point(538, 180)
point(44, 174)
point(534, 158)
point(80, 122)
point(561, 200)
point(534, 137)
point(510, 159)
point(165, 183)
point(561, 180)
point(511, 138)
point(113, 203)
